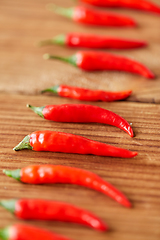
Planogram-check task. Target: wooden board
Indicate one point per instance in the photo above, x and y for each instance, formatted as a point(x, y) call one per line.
point(138, 178)
point(23, 70)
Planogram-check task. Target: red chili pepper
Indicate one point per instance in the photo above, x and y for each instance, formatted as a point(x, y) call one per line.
point(82, 113)
point(94, 60)
point(70, 143)
point(41, 174)
point(133, 4)
point(90, 16)
point(38, 209)
point(87, 94)
point(93, 41)
point(27, 232)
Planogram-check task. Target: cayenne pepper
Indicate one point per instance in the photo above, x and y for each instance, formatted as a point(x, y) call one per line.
point(70, 143)
point(27, 232)
point(95, 60)
point(87, 94)
point(82, 113)
point(93, 41)
point(133, 4)
point(38, 209)
point(49, 174)
point(89, 16)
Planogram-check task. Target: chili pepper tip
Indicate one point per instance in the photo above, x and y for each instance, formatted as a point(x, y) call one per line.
point(133, 154)
point(150, 75)
point(9, 205)
point(24, 144)
point(125, 202)
point(37, 110)
point(13, 173)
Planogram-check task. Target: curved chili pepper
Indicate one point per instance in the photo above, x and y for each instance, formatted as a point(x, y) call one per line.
point(70, 143)
point(92, 41)
point(94, 60)
point(82, 113)
point(27, 232)
point(41, 174)
point(133, 4)
point(89, 16)
point(87, 94)
point(38, 209)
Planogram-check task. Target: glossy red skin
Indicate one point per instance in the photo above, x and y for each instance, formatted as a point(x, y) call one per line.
point(83, 113)
point(95, 17)
point(45, 174)
point(91, 95)
point(133, 4)
point(94, 61)
point(39, 209)
point(70, 143)
point(27, 232)
point(95, 41)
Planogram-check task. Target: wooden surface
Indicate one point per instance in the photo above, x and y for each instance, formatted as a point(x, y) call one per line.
point(24, 73)
point(138, 178)
point(23, 70)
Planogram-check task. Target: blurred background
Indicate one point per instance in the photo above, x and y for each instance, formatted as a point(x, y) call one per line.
point(23, 70)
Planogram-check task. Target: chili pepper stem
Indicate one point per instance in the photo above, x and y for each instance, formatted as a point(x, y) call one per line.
point(45, 42)
point(4, 233)
point(72, 59)
point(67, 12)
point(53, 89)
point(37, 110)
point(14, 173)
point(9, 205)
point(60, 39)
point(24, 144)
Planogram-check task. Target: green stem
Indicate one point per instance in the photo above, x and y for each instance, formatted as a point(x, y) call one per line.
point(13, 173)
point(37, 110)
point(72, 59)
point(60, 40)
point(24, 144)
point(67, 12)
point(4, 234)
point(53, 89)
point(9, 205)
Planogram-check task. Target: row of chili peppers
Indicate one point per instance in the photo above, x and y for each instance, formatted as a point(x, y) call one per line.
point(63, 142)
point(93, 60)
point(38, 209)
point(55, 141)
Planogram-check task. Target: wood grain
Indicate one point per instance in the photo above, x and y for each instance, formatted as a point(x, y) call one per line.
point(138, 178)
point(23, 70)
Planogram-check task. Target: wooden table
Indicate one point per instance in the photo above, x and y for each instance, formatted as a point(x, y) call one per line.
point(24, 73)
